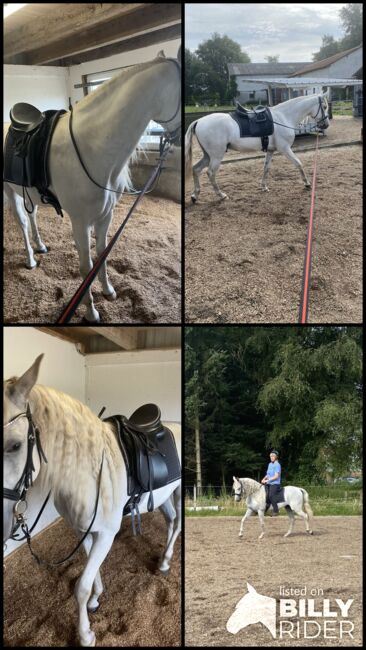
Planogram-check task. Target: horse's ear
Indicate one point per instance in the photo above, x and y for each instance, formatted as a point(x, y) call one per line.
point(160, 55)
point(25, 383)
point(234, 478)
point(251, 589)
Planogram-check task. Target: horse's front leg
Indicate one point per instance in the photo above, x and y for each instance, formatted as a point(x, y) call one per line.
point(173, 516)
point(16, 206)
point(101, 546)
point(82, 240)
point(246, 516)
point(291, 156)
point(267, 162)
point(93, 603)
point(40, 246)
point(261, 521)
point(101, 229)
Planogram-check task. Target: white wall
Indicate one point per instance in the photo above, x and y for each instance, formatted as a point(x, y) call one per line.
point(62, 367)
point(124, 381)
point(44, 86)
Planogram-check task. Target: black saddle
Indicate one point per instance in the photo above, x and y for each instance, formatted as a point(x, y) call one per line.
point(149, 452)
point(256, 123)
point(26, 150)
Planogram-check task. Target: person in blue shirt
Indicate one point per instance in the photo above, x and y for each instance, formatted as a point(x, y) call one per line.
point(272, 480)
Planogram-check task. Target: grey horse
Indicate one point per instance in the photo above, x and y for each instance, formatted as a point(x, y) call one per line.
point(296, 500)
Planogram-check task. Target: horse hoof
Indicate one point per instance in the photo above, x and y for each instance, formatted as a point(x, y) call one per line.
point(165, 572)
point(89, 640)
point(91, 610)
point(240, 534)
point(310, 532)
point(110, 296)
point(42, 251)
point(308, 187)
point(223, 197)
point(193, 199)
point(90, 322)
point(31, 267)
point(261, 536)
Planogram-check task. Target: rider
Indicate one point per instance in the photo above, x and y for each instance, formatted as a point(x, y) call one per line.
point(272, 481)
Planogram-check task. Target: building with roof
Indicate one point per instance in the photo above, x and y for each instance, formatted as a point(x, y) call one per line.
point(256, 93)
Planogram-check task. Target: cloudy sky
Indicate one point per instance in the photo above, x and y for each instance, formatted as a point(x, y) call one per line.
point(292, 31)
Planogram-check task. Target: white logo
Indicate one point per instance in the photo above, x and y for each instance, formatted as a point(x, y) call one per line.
point(253, 608)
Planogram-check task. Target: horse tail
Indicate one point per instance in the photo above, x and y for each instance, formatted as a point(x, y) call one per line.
point(307, 506)
point(188, 147)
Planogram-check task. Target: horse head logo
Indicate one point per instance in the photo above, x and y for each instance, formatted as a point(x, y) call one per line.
point(253, 608)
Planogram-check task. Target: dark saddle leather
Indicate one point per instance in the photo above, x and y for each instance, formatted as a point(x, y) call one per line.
point(27, 147)
point(256, 123)
point(149, 451)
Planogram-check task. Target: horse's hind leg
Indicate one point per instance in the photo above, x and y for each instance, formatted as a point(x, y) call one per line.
point(305, 517)
point(101, 229)
point(291, 517)
point(196, 171)
point(15, 202)
point(172, 511)
point(211, 173)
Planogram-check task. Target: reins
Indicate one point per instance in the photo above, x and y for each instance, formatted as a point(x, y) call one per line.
point(306, 276)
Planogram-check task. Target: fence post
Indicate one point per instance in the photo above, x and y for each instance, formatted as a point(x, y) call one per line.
point(194, 497)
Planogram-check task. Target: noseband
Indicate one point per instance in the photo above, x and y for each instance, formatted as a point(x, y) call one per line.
point(19, 493)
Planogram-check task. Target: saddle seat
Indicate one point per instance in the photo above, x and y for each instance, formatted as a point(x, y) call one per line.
point(146, 419)
point(25, 117)
point(259, 112)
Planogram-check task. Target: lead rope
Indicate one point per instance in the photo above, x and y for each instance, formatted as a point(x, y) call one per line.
point(306, 276)
point(84, 286)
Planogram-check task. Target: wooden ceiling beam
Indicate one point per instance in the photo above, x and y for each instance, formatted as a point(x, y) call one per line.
point(36, 43)
point(125, 337)
point(135, 43)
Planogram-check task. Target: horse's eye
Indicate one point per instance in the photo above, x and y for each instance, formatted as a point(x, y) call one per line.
point(15, 447)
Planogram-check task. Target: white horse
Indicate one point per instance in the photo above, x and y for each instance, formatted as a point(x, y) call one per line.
point(218, 132)
point(107, 126)
point(74, 442)
point(296, 501)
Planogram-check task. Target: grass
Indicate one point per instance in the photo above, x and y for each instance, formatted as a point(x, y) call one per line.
point(325, 500)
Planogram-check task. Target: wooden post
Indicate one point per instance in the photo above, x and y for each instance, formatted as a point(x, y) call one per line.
point(194, 497)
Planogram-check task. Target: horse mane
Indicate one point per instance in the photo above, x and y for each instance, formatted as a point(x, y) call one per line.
point(250, 486)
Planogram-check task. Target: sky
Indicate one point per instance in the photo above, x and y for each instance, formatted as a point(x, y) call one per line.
point(291, 31)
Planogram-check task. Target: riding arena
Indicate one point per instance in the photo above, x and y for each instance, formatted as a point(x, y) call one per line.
point(245, 253)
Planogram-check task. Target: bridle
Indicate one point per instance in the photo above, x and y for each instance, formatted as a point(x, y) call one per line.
point(323, 115)
point(19, 492)
point(236, 494)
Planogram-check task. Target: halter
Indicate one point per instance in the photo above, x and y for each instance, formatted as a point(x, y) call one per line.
point(173, 135)
point(19, 492)
point(241, 492)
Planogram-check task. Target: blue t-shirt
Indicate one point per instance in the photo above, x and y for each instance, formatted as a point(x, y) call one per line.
point(273, 468)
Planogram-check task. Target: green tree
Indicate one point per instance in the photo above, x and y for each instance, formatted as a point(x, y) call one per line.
point(351, 16)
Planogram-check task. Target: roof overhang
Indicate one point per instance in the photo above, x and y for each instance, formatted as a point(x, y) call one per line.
point(305, 82)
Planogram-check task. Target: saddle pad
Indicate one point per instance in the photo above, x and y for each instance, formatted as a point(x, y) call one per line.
point(252, 127)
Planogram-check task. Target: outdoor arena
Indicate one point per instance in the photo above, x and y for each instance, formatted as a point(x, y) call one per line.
point(218, 566)
point(245, 255)
point(144, 267)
